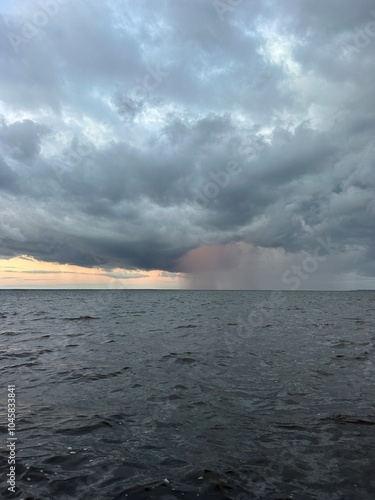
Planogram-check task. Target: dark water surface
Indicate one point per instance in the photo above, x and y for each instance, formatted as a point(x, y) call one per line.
point(187, 394)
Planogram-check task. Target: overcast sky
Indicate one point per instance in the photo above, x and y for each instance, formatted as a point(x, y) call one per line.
point(188, 143)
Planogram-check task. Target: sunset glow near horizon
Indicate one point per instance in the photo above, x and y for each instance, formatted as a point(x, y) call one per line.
point(26, 272)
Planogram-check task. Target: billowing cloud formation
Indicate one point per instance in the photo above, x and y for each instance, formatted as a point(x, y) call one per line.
point(137, 135)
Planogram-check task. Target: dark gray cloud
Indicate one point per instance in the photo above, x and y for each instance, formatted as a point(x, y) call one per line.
point(133, 133)
point(21, 140)
point(8, 178)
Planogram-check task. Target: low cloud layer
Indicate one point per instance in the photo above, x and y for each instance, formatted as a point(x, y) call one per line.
point(169, 135)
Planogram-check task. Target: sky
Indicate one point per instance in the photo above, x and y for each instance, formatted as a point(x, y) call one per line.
point(219, 144)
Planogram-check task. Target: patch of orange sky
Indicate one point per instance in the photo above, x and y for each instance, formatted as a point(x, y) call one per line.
point(26, 272)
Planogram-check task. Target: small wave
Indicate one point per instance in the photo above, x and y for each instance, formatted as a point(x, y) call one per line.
point(346, 419)
point(29, 364)
point(322, 373)
point(175, 354)
point(170, 355)
point(11, 355)
point(342, 343)
point(85, 429)
point(186, 326)
point(185, 360)
point(43, 318)
point(361, 356)
point(80, 318)
point(78, 375)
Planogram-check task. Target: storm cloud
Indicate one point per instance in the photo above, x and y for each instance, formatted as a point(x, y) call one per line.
point(198, 136)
